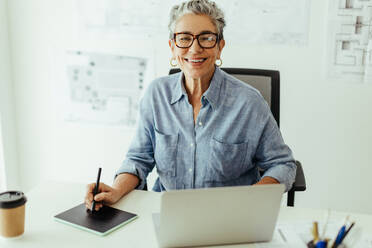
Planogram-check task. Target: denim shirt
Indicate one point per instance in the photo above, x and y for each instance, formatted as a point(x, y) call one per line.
point(235, 136)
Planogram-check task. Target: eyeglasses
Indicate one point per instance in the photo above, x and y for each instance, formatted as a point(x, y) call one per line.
point(205, 40)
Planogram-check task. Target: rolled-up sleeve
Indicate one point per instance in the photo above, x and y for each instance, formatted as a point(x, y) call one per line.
point(139, 159)
point(274, 156)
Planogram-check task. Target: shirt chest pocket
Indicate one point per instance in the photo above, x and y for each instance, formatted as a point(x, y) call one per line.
point(226, 161)
point(166, 153)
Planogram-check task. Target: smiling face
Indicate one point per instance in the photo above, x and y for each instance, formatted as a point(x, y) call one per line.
point(196, 62)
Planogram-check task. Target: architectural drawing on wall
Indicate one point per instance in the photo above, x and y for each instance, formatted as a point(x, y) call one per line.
point(248, 21)
point(140, 18)
point(284, 22)
point(350, 40)
point(104, 88)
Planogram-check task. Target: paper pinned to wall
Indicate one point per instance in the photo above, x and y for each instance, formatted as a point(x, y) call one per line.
point(284, 22)
point(103, 88)
point(349, 35)
point(125, 18)
point(272, 22)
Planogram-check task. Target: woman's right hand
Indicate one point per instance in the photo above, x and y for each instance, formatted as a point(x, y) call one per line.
point(106, 195)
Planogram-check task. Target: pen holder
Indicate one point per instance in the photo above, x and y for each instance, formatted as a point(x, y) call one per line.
point(311, 244)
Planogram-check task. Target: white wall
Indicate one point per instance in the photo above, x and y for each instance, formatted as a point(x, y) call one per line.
point(326, 123)
point(50, 148)
point(7, 107)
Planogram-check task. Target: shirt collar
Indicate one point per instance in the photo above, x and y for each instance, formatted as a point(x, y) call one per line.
point(179, 89)
point(212, 94)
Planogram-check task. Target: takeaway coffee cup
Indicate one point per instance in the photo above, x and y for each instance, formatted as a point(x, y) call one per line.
point(12, 213)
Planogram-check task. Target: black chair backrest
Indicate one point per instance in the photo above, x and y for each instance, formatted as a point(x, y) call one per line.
point(265, 81)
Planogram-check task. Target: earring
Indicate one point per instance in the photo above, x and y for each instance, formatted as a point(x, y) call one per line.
point(218, 62)
point(173, 62)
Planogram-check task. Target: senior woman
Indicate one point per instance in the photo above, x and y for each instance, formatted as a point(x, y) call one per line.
point(200, 127)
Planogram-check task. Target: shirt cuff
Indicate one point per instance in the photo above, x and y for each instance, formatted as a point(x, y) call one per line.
point(133, 168)
point(284, 173)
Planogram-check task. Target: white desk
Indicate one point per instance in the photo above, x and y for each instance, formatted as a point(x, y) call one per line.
point(51, 198)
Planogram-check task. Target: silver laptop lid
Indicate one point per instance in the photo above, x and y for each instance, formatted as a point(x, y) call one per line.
point(223, 215)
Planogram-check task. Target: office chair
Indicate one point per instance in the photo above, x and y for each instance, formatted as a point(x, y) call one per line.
point(268, 83)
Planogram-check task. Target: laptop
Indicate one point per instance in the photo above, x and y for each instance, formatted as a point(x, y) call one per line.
point(215, 216)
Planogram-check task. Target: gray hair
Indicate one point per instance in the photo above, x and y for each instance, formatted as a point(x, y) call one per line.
point(199, 7)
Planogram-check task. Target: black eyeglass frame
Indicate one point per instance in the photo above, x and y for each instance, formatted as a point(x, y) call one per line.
point(196, 37)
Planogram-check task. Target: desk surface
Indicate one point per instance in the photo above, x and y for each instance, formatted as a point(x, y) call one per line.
point(51, 198)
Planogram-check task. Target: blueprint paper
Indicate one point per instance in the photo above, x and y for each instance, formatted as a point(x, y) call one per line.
point(349, 36)
point(126, 18)
point(103, 88)
point(284, 22)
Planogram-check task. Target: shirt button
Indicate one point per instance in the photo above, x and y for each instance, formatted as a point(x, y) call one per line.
point(192, 144)
point(200, 123)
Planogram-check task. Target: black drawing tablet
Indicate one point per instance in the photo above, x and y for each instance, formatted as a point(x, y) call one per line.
point(106, 220)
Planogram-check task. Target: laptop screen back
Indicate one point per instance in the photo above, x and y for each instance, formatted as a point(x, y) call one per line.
point(219, 215)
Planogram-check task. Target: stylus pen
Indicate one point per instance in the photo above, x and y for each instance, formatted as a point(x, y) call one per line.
point(95, 191)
